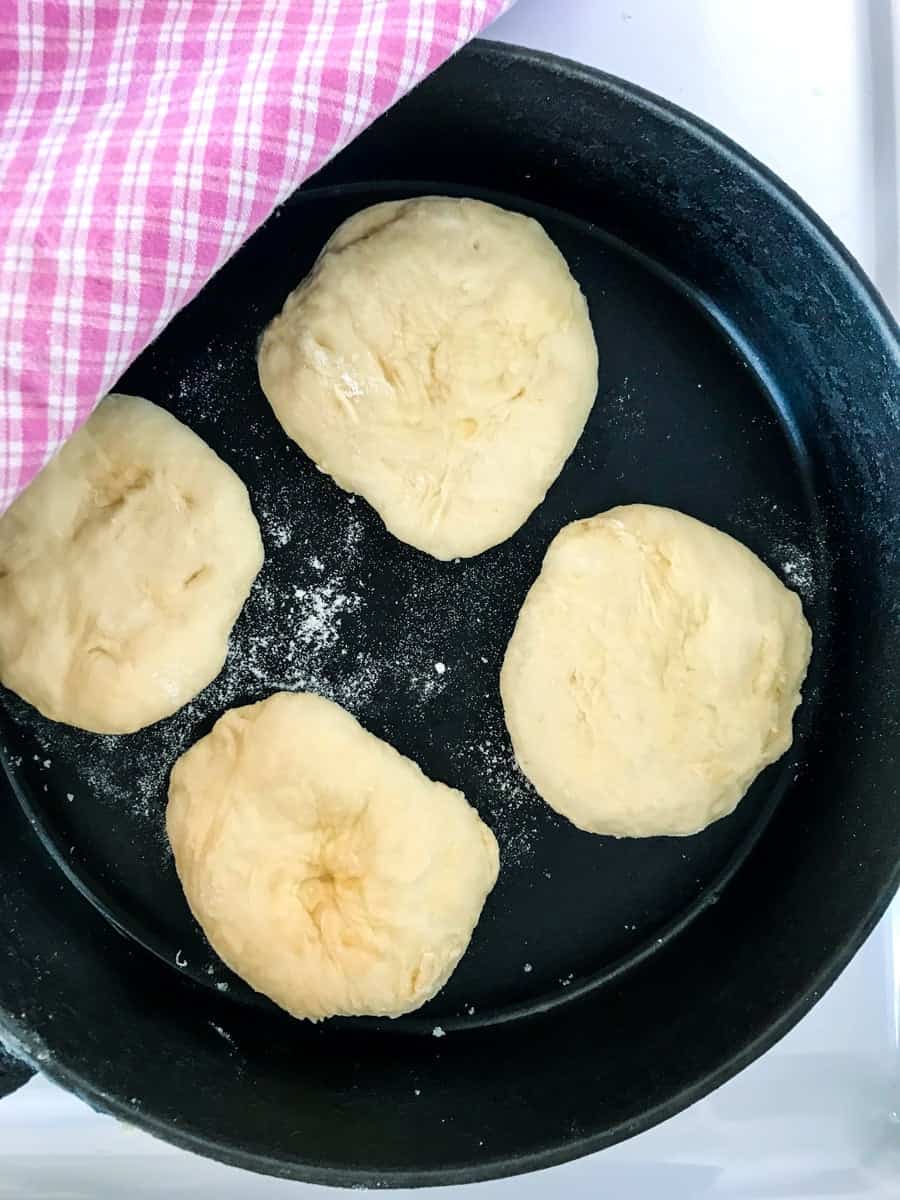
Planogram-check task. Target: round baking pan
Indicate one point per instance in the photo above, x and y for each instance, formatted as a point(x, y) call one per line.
point(749, 377)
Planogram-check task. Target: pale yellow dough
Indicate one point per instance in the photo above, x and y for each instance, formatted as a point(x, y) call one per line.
point(123, 567)
point(438, 360)
point(653, 672)
point(324, 867)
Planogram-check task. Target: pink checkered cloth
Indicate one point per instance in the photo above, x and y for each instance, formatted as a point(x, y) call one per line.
point(141, 142)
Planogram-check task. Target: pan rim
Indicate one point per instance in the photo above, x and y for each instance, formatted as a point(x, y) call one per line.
point(668, 109)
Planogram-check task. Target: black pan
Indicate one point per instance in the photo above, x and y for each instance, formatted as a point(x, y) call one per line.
point(749, 376)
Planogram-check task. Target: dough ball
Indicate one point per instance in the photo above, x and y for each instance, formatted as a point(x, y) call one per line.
point(438, 360)
point(324, 867)
point(123, 567)
point(652, 674)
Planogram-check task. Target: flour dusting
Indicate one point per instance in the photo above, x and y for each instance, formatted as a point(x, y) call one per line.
point(506, 799)
point(223, 1034)
point(796, 567)
point(784, 541)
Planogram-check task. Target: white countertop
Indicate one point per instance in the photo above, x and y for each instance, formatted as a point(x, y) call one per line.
point(805, 85)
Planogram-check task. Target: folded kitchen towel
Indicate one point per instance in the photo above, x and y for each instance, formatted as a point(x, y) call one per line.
point(141, 142)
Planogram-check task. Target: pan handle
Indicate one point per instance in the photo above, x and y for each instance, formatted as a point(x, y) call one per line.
point(13, 1073)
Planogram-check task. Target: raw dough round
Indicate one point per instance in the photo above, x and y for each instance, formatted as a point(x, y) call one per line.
point(652, 674)
point(439, 360)
point(324, 867)
point(123, 567)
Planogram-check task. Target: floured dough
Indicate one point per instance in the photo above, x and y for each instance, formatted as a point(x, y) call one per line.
point(323, 866)
point(123, 567)
point(439, 360)
point(653, 672)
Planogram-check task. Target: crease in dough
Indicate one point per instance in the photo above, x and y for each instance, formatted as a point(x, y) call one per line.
point(324, 867)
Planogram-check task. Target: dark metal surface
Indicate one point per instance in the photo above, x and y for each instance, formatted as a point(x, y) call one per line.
point(749, 377)
point(13, 1073)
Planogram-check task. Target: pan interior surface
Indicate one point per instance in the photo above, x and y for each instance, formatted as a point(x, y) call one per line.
point(746, 378)
point(413, 646)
